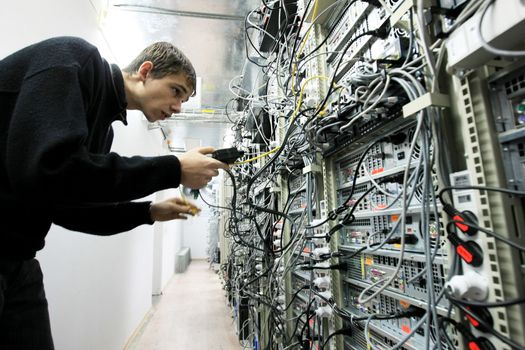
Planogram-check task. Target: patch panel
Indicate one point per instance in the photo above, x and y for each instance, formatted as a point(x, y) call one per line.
point(367, 130)
point(391, 330)
point(344, 29)
point(366, 269)
point(357, 341)
point(382, 158)
point(380, 200)
point(358, 233)
point(360, 49)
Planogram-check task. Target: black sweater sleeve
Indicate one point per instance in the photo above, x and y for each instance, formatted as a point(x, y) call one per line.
point(47, 156)
point(105, 219)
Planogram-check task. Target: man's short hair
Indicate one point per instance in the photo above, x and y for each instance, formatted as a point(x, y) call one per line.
point(167, 60)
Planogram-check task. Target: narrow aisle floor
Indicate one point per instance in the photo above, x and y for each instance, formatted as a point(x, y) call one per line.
point(192, 314)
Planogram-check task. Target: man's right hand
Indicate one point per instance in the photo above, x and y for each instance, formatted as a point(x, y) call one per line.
point(197, 169)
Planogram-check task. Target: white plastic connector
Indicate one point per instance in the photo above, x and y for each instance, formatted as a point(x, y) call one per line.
point(302, 120)
point(324, 311)
point(322, 282)
point(317, 252)
point(471, 285)
point(326, 295)
point(392, 99)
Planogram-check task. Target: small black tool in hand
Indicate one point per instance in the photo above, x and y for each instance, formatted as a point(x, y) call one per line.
point(227, 155)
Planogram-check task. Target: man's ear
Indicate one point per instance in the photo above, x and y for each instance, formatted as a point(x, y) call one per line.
point(144, 69)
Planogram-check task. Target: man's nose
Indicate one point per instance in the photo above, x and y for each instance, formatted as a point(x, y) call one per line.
point(176, 107)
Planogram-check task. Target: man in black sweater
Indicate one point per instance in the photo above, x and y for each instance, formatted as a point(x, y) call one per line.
point(58, 99)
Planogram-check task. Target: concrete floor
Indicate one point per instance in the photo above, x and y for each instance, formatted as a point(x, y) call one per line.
point(191, 314)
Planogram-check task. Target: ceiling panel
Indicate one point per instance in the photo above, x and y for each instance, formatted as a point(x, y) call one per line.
point(224, 7)
point(209, 32)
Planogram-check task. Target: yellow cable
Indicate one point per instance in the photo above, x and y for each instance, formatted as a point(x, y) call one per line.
point(301, 94)
point(292, 119)
point(258, 157)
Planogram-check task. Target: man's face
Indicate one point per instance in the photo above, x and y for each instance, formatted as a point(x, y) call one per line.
point(163, 97)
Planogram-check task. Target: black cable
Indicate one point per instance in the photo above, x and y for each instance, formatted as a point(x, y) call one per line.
point(242, 241)
point(488, 232)
point(234, 194)
point(443, 330)
point(287, 217)
point(395, 240)
point(489, 328)
point(330, 32)
point(301, 315)
point(503, 303)
point(248, 39)
point(292, 55)
point(480, 188)
point(306, 286)
point(212, 205)
point(349, 218)
point(377, 32)
point(274, 157)
point(226, 110)
point(335, 213)
point(270, 8)
point(472, 225)
point(341, 266)
point(306, 324)
point(342, 331)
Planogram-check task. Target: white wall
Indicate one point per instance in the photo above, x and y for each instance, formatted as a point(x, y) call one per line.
point(195, 231)
point(27, 21)
point(168, 238)
point(189, 135)
point(99, 288)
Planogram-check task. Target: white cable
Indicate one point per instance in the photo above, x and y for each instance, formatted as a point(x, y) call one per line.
point(265, 139)
point(362, 113)
point(361, 298)
point(371, 179)
point(485, 44)
point(257, 27)
point(420, 18)
point(471, 7)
